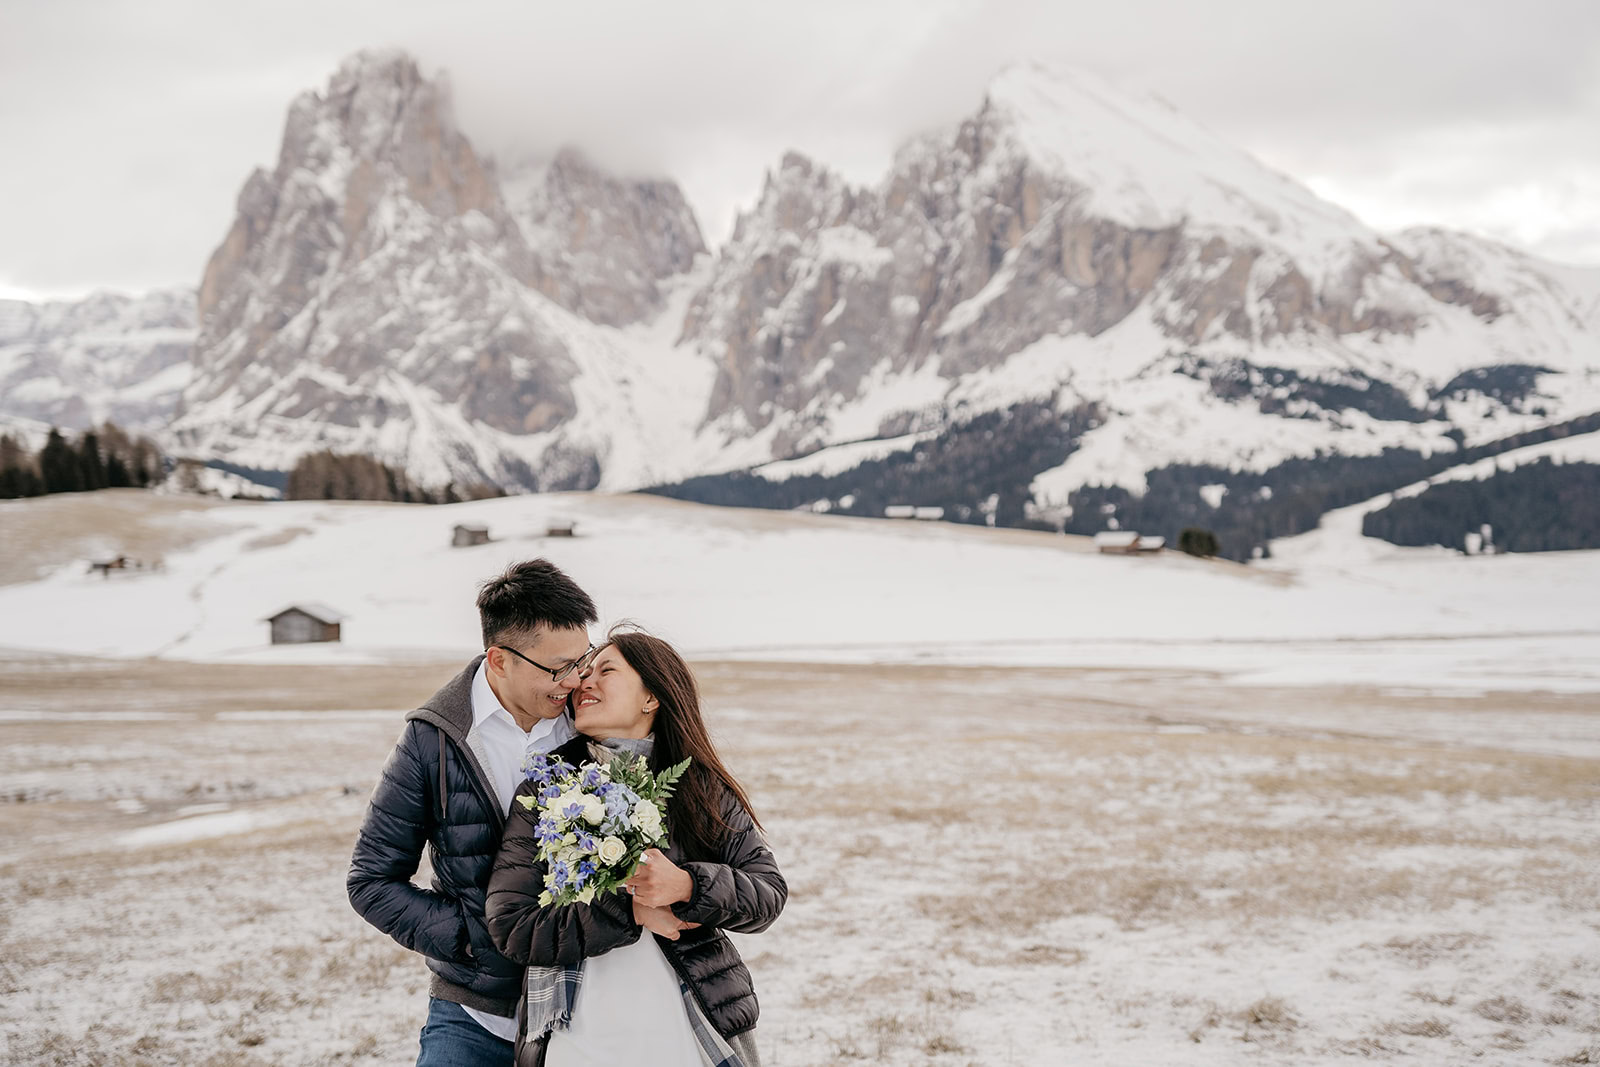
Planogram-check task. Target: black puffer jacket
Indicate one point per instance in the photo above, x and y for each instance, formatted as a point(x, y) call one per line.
point(740, 889)
point(434, 792)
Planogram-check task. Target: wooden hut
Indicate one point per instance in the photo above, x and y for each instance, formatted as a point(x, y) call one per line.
point(301, 624)
point(1117, 542)
point(911, 511)
point(467, 536)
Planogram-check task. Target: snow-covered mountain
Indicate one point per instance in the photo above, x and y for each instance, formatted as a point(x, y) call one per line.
point(1072, 243)
point(380, 292)
point(77, 363)
point(1116, 290)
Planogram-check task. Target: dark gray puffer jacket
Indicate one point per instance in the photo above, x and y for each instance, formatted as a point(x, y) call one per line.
point(740, 889)
point(434, 792)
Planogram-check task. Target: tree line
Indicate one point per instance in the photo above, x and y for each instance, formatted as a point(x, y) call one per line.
point(328, 475)
point(1542, 506)
point(1282, 501)
point(973, 469)
point(104, 458)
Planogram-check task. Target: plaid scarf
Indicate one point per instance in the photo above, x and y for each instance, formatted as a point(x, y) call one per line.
point(550, 994)
point(714, 1049)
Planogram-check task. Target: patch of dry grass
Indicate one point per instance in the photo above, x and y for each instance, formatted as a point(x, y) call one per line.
point(1429, 1027)
point(974, 859)
point(1426, 949)
point(1453, 776)
point(46, 532)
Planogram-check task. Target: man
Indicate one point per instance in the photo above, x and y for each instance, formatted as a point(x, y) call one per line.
point(448, 785)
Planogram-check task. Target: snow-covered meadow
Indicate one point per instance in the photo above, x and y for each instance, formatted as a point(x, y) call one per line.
point(742, 584)
point(1035, 805)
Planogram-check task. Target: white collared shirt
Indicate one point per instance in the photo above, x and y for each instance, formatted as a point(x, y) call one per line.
point(502, 745)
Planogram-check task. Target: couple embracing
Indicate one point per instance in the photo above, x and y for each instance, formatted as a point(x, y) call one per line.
point(644, 975)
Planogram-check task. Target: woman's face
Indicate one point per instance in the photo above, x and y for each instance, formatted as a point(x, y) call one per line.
point(611, 701)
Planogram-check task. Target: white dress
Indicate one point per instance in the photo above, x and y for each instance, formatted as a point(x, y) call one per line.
point(629, 1011)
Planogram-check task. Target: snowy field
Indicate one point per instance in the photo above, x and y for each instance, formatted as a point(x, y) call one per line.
point(987, 866)
point(1035, 805)
point(1334, 607)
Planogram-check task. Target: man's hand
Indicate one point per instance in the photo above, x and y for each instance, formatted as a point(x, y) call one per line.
point(660, 920)
point(659, 883)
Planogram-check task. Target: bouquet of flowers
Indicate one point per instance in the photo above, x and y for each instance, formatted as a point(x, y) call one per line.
point(595, 821)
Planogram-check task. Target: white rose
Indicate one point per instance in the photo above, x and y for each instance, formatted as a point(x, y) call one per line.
point(594, 810)
point(612, 850)
point(647, 817)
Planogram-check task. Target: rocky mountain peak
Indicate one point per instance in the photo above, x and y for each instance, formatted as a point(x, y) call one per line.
point(601, 244)
point(801, 196)
point(386, 289)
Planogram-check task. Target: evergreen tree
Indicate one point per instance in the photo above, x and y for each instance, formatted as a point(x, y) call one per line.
point(59, 468)
point(90, 462)
point(1198, 542)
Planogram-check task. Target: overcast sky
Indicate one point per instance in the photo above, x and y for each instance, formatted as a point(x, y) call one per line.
point(127, 128)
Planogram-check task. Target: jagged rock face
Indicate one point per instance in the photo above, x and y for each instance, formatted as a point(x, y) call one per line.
point(980, 243)
point(602, 245)
point(76, 364)
point(377, 259)
point(378, 293)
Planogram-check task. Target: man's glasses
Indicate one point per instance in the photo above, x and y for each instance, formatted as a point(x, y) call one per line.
point(556, 673)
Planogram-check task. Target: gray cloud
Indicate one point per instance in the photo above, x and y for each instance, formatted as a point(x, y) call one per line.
point(129, 127)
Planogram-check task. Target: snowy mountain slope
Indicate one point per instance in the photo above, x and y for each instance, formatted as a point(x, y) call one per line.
point(740, 583)
point(1072, 242)
point(78, 363)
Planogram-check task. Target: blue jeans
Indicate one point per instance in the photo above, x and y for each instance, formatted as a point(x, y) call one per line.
point(452, 1038)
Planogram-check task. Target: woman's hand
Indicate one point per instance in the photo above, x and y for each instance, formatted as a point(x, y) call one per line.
point(659, 883)
point(660, 920)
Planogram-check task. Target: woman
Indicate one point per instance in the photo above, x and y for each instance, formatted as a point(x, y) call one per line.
point(680, 997)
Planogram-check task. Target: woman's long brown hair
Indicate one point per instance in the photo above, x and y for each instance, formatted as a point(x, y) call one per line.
point(694, 814)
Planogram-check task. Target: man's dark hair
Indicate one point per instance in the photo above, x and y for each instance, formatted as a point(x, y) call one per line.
point(531, 594)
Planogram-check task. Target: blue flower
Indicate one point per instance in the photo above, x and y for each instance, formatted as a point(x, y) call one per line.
point(559, 875)
point(572, 811)
point(619, 802)
point(586, 842)
point(547, 831)
point(549, 791)
point(591, 777)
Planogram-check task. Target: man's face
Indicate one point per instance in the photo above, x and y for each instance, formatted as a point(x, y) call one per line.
point(528, 692)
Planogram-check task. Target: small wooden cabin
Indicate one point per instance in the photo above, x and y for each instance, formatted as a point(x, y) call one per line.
point(302, 624)
point(909, 511)
point(467, 536)
point(1117, 542)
